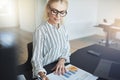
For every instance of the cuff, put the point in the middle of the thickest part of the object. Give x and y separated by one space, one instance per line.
42 70
67 59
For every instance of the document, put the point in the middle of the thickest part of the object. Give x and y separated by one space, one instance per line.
73 73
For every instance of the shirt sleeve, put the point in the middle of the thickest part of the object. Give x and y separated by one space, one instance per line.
37 57
66 52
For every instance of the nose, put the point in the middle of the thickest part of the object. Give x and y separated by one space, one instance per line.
58 15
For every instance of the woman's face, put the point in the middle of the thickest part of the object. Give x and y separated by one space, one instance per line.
56 12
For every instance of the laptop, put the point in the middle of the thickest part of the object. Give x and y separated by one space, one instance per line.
109 70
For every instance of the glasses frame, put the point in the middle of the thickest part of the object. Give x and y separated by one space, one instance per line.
56 12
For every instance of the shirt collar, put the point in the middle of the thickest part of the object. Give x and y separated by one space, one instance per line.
54 26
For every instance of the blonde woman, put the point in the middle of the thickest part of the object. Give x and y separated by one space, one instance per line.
50 40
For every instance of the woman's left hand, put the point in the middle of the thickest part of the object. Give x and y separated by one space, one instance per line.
60 67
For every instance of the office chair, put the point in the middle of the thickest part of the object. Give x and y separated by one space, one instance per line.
8 63
26 68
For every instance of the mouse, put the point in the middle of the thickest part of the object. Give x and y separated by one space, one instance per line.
93 53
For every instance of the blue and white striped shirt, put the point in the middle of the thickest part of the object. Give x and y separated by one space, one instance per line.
49 44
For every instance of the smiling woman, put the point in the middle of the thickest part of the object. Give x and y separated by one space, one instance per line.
50 40
51 8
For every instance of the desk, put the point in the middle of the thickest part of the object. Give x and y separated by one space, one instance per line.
91 63
98 65
109 29
115 28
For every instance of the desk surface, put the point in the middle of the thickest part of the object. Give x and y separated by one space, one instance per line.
115 28
102 66
107 62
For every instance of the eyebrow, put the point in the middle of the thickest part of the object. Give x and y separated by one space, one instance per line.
57 9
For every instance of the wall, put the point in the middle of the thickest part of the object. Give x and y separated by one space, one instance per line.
19 13
8 13
109 10
27 14
81 18
39 10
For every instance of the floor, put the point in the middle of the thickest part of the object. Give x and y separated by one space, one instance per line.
22 38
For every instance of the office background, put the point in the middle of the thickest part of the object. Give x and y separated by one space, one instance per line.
82 16
19 18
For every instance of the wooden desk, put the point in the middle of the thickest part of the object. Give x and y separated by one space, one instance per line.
115 28
109 29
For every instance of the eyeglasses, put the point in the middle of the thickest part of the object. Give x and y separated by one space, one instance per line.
55 12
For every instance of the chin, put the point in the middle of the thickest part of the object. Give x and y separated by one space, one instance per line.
57 22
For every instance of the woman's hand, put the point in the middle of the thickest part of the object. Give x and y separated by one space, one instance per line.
43 76
60 67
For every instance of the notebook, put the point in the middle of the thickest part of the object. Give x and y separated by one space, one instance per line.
73 73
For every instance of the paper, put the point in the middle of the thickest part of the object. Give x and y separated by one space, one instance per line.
73 73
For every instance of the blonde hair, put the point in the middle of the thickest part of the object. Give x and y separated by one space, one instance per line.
45 16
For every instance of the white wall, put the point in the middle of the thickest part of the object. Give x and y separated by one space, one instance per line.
8 13
39 10
109 10
83 15
27 14
81 18
19 13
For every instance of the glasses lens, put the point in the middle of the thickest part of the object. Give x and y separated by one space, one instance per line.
63 13
56 12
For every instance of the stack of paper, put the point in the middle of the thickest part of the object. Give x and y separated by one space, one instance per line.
73 73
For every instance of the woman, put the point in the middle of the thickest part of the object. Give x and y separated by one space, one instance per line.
50 41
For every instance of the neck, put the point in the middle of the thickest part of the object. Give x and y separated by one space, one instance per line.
56 25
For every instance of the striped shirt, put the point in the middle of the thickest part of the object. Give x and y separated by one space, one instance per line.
49 44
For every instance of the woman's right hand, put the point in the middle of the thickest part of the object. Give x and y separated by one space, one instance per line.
43 76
